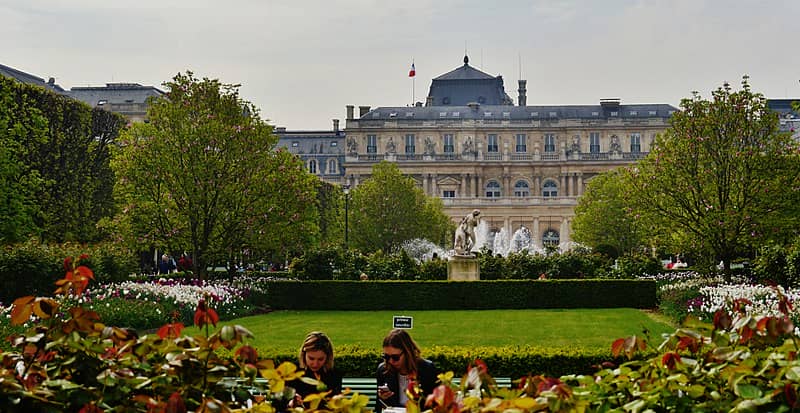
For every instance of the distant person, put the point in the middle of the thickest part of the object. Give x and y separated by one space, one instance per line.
185 263
402 364
165 266
316 358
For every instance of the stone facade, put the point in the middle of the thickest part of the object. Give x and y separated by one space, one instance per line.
520 165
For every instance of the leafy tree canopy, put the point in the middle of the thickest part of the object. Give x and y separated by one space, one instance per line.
203 176
722 177
389 208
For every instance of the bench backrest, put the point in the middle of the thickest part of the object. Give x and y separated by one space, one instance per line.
368 386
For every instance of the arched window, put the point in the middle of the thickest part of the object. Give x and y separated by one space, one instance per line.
521 189
312 166
549 189
493 189
331 166
550 238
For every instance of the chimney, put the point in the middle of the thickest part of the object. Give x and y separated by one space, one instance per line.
51 81
362 110
523 99
336 125
429 101
280 129
610 103
418 105
349 112
474 106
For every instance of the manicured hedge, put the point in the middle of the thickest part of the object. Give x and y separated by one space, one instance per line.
449 295
511 362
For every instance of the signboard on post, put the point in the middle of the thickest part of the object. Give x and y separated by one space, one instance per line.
401 321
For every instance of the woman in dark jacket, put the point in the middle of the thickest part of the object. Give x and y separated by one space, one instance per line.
316 358
402 366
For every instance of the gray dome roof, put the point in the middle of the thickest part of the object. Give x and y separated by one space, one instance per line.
465 85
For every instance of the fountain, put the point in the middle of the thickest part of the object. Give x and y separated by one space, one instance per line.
423 250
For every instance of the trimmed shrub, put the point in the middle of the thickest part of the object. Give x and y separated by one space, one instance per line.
514 362
448 295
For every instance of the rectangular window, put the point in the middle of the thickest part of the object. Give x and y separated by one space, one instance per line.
549 142
492 143
410 143
636 142
594 142
448 194
521 143
372 144
449 147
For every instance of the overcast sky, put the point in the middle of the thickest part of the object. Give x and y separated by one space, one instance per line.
302 62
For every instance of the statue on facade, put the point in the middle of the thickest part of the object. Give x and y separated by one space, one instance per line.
469 147
430 146
465 234
576 144
390 147
615 146
352 146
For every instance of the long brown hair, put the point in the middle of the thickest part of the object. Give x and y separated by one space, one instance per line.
317 340
400 339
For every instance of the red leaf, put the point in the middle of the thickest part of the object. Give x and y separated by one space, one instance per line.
670 360
175 404
23 307
171 330
617 346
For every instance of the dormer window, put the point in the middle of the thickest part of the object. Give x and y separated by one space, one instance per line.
534 114
553 114
393 115
101 102
409 114
613 114
442 114
506 115
633 113
487 114
595 113
456 114
652 113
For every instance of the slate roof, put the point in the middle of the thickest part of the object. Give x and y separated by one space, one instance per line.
466 84
783 106
30 79
114 93
502 112
312 142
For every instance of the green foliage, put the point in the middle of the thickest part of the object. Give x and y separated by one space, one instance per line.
135 314
446 295
388 209
203 175
603 217
636 265
504 361
716 181
778 264
70 361
27 268
55 175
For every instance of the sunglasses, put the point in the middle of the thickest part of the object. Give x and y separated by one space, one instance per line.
393 357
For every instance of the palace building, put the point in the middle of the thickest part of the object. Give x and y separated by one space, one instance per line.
520 165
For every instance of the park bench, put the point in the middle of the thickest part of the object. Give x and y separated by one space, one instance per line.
368 386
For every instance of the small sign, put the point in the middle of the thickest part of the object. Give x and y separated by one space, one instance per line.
401 321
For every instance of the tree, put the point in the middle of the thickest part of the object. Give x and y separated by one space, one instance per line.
203 175
60 148
604 219
388 209
19 183
721 177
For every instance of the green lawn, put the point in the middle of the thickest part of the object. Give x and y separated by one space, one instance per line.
547 328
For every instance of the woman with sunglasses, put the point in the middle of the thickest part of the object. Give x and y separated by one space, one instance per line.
316 358
401 368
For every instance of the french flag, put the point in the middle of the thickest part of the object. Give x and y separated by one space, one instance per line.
412 72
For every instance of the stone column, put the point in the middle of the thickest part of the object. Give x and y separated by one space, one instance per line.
537 185
434 185
536 233
462 189
563 184
480 185
425 187
580 183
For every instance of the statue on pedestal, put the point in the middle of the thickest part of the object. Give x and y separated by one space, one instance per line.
465 234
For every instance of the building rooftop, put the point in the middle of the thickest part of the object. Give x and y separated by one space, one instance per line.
30 79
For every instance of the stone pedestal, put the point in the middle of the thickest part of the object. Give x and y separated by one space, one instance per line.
463 268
